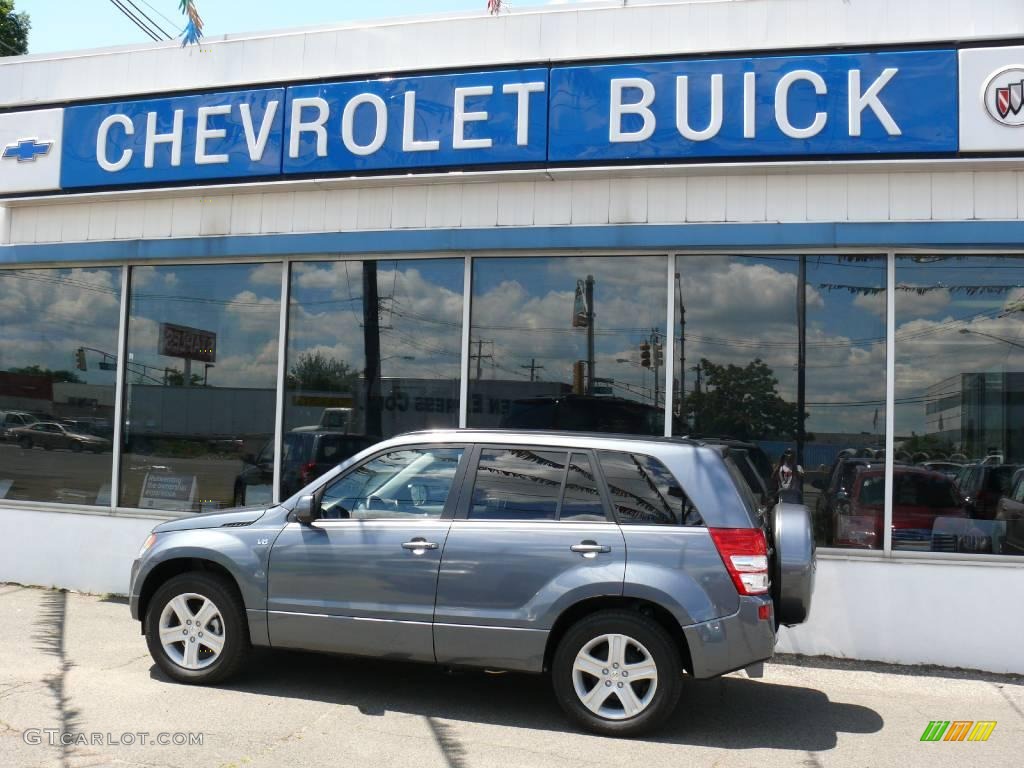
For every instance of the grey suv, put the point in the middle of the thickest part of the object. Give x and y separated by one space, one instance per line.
613 563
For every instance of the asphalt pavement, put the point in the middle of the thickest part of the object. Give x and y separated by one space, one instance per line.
76 665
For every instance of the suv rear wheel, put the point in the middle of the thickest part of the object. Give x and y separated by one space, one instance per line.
617 673
196 630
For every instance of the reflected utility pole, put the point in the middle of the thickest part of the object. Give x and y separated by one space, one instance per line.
801 362
371 345
589 294
533 368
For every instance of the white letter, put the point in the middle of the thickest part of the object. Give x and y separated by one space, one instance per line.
316 125
203 132
522 92
749 115
348 118
459 140
782 104
618 109
409 142
683 108
257 144
173 138
101 142
869 98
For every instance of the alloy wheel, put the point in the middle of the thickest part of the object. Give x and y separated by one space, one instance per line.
615 676
192 631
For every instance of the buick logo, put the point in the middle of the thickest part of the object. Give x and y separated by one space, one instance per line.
1004 96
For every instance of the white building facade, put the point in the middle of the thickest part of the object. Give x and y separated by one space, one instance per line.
236 264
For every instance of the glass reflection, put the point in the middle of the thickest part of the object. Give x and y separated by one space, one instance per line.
373 351
57 370
959 404
793 380
568 343
200 385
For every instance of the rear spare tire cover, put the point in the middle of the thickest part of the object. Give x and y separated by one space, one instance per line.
794 563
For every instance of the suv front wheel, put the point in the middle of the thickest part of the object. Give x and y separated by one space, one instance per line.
617 673
196 630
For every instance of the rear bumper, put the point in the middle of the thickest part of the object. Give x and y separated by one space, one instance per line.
732 642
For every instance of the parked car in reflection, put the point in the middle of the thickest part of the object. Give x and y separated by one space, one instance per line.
949 468
834 489
1010 511
920 497
50 435
982 486
11 420
307 455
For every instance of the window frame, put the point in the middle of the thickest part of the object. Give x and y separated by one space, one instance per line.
469 485
455 493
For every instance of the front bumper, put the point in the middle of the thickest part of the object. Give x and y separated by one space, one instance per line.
732 642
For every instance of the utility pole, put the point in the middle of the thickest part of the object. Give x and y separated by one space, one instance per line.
480 356
533 368
696 391
682 352
656 362
589 294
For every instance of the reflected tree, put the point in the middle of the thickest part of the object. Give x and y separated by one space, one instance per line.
742 402
45 373
314 371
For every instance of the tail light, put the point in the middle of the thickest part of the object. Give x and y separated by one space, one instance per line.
306 473
745 554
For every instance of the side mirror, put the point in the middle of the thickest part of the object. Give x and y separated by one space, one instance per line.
305 510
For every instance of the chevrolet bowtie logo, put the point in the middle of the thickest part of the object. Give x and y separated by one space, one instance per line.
27 150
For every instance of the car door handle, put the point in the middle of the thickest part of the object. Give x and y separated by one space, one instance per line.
419 544
590 549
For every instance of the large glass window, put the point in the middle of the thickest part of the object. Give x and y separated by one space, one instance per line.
959 442
58 360
745 340
200 386
568 343
373 351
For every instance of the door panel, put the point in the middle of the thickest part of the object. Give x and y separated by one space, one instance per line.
509 568
363 578
349 586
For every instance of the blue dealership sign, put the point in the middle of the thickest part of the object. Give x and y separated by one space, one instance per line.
183 138
846 104
771 106
417 122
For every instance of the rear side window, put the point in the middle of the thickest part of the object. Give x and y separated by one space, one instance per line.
527 484
644 492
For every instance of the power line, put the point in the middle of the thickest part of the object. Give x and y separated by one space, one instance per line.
136 21
152 23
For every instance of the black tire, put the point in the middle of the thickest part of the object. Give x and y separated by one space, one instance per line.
663 651
239 496
26 443
236 630
76 447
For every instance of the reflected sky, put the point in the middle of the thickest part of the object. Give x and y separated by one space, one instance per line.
954 315
238 302
742 308
47 314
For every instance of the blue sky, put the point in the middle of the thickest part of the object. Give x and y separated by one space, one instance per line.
62 25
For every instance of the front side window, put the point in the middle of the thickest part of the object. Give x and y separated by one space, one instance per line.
409 483
644 492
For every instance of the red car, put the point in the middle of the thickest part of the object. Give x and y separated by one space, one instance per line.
920 497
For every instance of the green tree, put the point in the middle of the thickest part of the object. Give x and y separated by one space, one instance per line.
314 371
14 29
55 376
742 402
